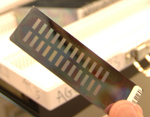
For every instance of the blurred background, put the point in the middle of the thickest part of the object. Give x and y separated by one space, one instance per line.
116 30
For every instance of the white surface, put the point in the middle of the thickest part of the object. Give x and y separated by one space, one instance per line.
9 4
45 78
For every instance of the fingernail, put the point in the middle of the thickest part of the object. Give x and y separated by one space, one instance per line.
126 111
108 108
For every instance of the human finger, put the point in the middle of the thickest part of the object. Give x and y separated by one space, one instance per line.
125 108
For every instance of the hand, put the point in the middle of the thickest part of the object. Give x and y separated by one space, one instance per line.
124 108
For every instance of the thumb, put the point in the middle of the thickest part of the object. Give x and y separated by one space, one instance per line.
125 109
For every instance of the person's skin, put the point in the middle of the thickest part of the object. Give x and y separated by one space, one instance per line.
124 108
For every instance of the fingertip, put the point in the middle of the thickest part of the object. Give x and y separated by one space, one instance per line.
139 108
125 108
108 108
